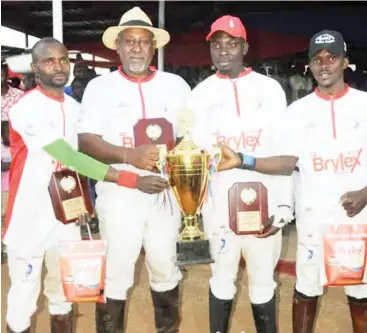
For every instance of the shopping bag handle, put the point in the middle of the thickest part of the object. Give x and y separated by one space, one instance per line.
89 232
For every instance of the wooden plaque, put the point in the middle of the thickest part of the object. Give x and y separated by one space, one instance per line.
158 131
248 207
70 195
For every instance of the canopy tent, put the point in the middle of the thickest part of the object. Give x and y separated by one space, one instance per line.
7 51
275 28
191 49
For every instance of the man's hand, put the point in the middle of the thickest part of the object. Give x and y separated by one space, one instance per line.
151 184
282 216
83 219
353 202
268 229
229 158
144 157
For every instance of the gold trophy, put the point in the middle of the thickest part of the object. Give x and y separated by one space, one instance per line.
187 168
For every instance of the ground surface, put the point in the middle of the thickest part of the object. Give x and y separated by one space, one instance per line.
333 312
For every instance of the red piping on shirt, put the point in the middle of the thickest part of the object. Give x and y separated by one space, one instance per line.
332 98
63 121
236 98
329 97
58 165
142 101
333 124
139 82
245 72
44 92
136 80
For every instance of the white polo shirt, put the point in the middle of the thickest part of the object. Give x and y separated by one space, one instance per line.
113 103
329 137
36 120
243 114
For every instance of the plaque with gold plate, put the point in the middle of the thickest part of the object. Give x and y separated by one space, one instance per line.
158 131
248 207
70 195
187 168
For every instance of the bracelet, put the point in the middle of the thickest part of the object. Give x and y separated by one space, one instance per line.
247 162
125 157
127 179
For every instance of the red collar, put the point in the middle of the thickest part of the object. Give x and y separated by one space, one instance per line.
148 78
329 97
44 92
246 71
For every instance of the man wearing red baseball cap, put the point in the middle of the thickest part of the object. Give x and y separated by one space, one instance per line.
240 108
229 24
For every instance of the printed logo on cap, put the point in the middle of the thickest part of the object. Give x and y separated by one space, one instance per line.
231 24
325 39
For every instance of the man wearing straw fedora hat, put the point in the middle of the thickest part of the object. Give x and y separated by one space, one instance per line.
112 105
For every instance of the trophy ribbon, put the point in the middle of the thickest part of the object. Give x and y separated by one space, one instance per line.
210 179
162 167
213 168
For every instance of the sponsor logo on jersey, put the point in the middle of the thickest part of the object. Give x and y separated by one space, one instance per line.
245 141
342 163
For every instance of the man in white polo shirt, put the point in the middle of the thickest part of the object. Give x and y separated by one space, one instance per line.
112 105
239 107
325 134
43 142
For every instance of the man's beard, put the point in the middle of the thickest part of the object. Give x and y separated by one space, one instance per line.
48 80
137 67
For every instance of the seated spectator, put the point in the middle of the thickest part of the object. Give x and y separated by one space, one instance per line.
9 95
80 72
300 84
91 74
77 88
15 82
29 81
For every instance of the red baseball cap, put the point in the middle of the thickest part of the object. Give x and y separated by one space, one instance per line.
232 25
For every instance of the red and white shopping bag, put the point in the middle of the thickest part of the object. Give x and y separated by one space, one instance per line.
345 253
83 267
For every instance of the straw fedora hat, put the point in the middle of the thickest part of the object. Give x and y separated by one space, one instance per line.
134 18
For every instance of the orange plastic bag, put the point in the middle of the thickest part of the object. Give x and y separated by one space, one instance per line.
345 252
83 267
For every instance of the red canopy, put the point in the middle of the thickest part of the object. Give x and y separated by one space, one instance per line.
191 49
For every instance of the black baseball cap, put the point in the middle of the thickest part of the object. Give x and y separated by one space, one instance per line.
330 40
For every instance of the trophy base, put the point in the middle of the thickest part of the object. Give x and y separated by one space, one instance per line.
193 252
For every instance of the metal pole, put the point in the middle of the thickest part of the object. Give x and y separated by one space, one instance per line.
26 41
161 19
57 20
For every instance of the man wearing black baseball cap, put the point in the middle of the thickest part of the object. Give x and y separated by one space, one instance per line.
328 60
330 40
325 135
